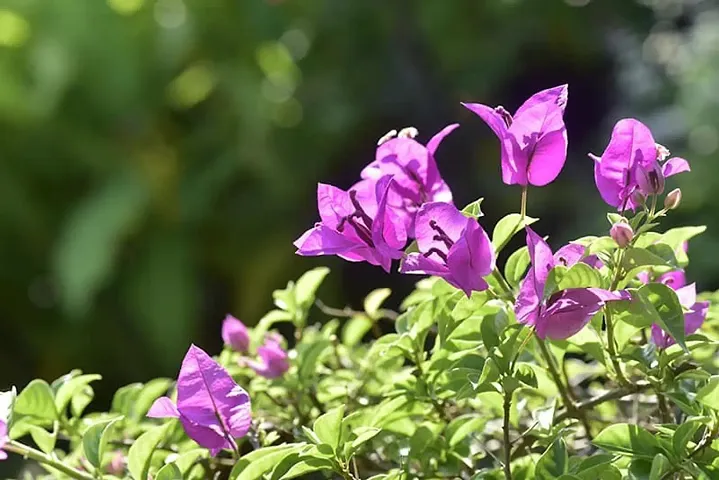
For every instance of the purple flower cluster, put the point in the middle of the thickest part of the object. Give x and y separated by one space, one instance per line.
402 196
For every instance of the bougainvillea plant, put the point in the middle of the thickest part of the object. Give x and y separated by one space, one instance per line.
592 360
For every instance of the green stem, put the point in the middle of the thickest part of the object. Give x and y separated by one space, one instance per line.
611 345
503 283
437 405
523 208
563 389
507 443
40 457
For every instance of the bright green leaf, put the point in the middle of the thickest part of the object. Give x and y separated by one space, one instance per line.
258 462
517 264
94 441
626 439
660 466
169 472
507 227
462 427
554 461
328 426
662 304
72 387
36 400
356 328
474 209
140 453
373 302
709 393
43 439
307 286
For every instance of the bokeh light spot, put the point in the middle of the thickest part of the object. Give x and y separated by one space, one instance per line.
191 87
14 29
126 7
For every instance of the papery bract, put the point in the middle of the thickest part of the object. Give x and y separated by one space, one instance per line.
414 169
533 141
565 312
273 360
451 246
356 225
3 439
235 334
212 408
630 165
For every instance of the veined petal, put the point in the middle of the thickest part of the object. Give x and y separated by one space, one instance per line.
675 165
418 263
542 260
163 407
323 240
209 397
388 232
674 279
687 295
514 161
569 254
470 259
333 204
694 319
528 302
550 100
207 437
631 144
548 157
567 313
434 142
444 216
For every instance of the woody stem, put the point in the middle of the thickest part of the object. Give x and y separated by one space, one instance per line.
45 459
563 389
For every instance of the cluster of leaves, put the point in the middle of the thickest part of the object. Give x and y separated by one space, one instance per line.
458 390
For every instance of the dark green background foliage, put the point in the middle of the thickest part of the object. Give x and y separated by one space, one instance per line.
158 157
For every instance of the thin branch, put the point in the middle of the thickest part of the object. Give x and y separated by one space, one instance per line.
605 397
507 443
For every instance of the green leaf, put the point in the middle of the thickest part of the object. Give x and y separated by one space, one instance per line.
43 439
517 264
140 453
474 209
147 395
364 435
637 257
169 472
675 237
95 439
307 286
709 393
662 304
72 387
81 400
554 461
507 227
626 439
356 328
91 239
660 466
258 462
298 464
328 426
124 398
36 400
308 359
682 435
187 459
580 275
463 426
373 302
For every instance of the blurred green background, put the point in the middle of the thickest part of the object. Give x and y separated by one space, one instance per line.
158 157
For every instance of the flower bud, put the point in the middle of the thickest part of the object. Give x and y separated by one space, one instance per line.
662 152
408 132
673 199
117 464
235 334
650 180
622 233
638 198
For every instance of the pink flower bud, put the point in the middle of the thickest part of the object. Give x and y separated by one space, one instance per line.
650 180
235 334
117 464
622 233
673 199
